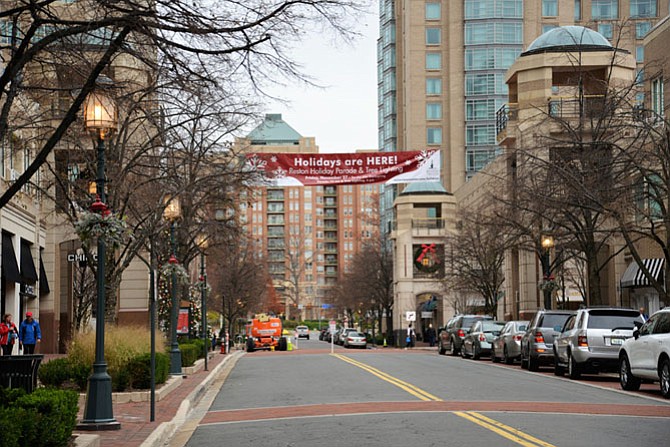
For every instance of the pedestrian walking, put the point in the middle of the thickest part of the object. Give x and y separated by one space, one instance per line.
430 334
411 337
8 334
30 334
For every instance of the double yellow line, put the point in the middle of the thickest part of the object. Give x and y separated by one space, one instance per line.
503 430
499 428
411 389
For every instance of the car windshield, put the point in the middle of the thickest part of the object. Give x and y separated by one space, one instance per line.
614 320
553 320
467 321
355 334
490 326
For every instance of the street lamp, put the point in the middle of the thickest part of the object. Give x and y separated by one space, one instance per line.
171 213
203 243
547 242
100 119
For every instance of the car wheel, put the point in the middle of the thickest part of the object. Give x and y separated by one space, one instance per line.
452 348
476 353
440 348
574 370
506 358
494 359
250 345
308 337
627 380
664 378
533 364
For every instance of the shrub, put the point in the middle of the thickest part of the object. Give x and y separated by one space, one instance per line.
189 354
139 370
122 344
55 373
45 417
9 427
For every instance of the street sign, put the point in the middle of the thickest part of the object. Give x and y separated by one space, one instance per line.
410 315
332 325
426 315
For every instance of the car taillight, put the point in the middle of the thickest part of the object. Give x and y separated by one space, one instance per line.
461 333
482 337
539 338
582 341
517 338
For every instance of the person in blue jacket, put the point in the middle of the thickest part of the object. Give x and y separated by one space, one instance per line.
29 334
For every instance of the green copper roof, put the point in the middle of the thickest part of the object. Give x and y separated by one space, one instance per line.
273 130
424 188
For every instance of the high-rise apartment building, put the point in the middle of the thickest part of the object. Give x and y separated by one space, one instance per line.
309 234
442 64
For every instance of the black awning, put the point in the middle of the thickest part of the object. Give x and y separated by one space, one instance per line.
44 282
635 277
10 269
28 272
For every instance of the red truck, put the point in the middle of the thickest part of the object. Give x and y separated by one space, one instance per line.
265 332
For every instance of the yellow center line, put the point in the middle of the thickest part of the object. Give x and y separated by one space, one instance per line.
503 430
411 389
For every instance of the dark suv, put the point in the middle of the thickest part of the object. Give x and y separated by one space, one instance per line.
537 343
451 337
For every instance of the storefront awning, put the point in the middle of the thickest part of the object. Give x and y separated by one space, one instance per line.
28 272
634 277
44 282
10 268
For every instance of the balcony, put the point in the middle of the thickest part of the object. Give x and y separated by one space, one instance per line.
428 226
329 191
506 113
275 196
330 202
589 106
330 260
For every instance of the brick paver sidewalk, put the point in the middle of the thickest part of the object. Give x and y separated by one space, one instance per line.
134 416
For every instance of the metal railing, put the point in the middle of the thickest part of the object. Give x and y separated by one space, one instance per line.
590 106
506 113
428 223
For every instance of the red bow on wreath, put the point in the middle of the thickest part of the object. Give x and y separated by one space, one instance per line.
425 249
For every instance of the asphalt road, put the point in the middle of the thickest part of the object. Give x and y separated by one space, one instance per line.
389 397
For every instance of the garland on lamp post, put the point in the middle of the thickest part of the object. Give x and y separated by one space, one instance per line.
99 223
548 284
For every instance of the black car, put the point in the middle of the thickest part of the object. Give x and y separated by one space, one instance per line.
451 337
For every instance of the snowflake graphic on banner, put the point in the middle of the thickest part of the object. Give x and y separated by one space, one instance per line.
273 159
257 163
279 173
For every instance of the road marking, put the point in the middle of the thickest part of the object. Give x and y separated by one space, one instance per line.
503 430
411 389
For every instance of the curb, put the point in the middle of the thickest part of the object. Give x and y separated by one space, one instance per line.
162 434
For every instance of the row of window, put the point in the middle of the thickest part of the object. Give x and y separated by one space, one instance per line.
475 109
479 58
604 9
475 135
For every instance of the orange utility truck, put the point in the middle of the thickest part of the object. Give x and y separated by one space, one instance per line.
265 332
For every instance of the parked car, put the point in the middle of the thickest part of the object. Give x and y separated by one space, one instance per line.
302 332
537 341
322 334
478 341
646 356
590 340
507 345
343 335
451 337
355 339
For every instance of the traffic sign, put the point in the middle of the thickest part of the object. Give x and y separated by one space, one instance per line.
332 325
410 315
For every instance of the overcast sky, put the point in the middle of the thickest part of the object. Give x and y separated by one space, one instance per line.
343 116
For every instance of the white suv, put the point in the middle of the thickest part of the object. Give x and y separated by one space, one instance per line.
302 332
647 354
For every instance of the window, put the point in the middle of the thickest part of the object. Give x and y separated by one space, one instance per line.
485 84
480 135
643 8
578 9
433 36
433 11
657 96
434 135
480 109
433 61
639 53
549 8
6 29
433 111
490 32
641 29
605 29
548 27
433 86
478 9
604 9
490 58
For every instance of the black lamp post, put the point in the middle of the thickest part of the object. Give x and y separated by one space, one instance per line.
100 117
172 212
203 243
547 243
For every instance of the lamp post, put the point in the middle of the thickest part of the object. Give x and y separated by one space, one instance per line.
100 119
171 213
203 243
547 242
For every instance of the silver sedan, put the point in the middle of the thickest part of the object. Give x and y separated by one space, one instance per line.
507 345
355 340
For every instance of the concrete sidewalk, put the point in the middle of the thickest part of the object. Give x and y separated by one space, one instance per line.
136 429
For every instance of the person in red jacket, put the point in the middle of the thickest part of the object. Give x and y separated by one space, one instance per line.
8 334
